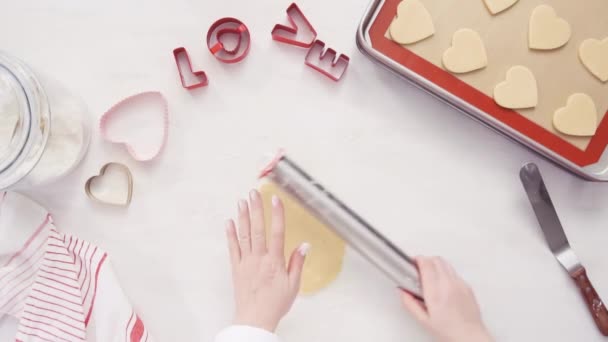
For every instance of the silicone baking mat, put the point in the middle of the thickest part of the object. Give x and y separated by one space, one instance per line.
559 73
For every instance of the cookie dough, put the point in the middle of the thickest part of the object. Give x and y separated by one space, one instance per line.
594 55
467 53
518 91
497 6
578 118
547 30
324 261
412 24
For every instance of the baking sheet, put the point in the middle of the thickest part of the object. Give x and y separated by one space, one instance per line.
559 73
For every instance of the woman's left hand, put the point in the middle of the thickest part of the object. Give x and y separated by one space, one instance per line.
264 287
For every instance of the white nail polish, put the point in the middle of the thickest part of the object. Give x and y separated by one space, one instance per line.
275 200
242 205
253 195
304 248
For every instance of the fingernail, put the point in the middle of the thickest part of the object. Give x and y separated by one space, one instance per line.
242 205
253 195
228 225
275 200
304 248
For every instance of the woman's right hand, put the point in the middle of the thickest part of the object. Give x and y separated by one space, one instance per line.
450 311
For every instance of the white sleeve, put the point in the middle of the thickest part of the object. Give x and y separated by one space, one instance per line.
242 333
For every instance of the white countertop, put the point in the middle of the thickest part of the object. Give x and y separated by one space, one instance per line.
431 179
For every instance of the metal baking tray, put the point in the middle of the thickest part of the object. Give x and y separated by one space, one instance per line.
586 158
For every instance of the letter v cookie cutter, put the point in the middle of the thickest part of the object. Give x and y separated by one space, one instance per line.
317 56
287 34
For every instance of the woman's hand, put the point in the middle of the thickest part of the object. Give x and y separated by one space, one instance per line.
450 311
264 287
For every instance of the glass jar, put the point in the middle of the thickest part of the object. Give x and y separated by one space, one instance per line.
44 130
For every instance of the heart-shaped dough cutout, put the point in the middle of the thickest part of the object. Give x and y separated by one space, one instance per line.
412 24
497 6
594 55
113 185
140 123
468 52
519 90
578 118
547 30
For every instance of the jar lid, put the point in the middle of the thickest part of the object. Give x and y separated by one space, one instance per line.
24 121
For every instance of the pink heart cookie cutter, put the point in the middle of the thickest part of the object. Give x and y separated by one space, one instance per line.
115 111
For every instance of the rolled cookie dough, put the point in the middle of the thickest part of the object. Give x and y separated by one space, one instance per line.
324 261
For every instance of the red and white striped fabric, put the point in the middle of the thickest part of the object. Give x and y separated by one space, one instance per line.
56 286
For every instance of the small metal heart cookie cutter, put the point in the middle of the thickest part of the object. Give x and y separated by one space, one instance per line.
125 170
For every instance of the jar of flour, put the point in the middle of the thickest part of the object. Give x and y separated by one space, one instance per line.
44 130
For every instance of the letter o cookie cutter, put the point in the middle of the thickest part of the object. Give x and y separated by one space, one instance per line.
226 27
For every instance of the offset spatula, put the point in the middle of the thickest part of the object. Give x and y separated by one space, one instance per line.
558 243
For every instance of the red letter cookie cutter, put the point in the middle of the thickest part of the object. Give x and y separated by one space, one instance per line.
200 76
325 61
222 28
287 34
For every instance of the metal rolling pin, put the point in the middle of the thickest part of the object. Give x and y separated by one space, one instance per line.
359 234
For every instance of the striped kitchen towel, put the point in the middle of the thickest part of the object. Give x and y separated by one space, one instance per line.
58 287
